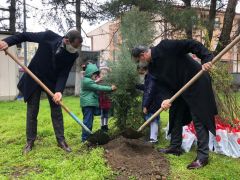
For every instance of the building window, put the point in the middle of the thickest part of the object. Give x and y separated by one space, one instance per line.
236 66
217 22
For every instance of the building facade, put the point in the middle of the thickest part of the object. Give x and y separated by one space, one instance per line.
9 75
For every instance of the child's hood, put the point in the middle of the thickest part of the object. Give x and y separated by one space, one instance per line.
90 70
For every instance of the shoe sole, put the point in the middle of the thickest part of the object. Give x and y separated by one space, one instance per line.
192 168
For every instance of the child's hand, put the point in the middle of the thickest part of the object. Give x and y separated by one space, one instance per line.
114 87
145 110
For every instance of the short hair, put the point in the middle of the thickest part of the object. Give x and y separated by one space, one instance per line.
137 50
72 35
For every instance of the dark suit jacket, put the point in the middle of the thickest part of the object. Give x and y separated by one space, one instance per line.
51 63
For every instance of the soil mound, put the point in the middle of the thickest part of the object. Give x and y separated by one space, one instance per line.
135 158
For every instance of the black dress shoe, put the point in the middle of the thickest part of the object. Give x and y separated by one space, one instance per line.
197 163
170 150
28 147
64 146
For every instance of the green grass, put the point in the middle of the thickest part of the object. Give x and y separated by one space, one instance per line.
47 161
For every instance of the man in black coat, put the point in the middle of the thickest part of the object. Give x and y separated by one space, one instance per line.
171 64
51 64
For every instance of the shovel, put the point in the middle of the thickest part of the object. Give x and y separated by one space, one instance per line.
195 78
48 91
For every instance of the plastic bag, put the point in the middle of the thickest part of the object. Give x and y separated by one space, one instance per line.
211 141
221 142
187 139
167 136
234 144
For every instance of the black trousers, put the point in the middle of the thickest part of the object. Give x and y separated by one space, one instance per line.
201 130
32 113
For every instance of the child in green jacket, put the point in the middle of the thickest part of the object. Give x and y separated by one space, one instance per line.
89 96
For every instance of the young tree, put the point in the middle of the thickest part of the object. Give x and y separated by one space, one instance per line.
134 34
127 103
125 99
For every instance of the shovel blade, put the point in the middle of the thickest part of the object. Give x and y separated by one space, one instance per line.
99 138
131 134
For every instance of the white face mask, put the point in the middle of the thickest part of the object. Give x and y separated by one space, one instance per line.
71 49
143 63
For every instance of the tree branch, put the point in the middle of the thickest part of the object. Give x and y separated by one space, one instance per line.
2 19
4 9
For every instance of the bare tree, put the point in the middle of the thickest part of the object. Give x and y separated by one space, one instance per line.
79 59
11 18
211 20
224 38
188 29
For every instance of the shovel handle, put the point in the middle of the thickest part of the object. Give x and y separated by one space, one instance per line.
46 89
195 78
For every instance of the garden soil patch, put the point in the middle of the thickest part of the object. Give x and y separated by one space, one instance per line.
135 158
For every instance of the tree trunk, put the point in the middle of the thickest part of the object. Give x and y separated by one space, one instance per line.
212 15
188 30
79 59
12 19
227 26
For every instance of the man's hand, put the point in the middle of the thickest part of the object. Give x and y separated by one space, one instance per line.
145 110
3 45
114 87
166 104
207 66
57 97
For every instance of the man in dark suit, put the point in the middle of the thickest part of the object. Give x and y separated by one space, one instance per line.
170 63
51 64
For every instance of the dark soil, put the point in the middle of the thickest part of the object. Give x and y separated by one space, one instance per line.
135 158
99 138
131 133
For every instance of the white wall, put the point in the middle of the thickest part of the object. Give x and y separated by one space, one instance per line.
8 75
100 37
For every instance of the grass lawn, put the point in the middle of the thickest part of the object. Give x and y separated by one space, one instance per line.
47 161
